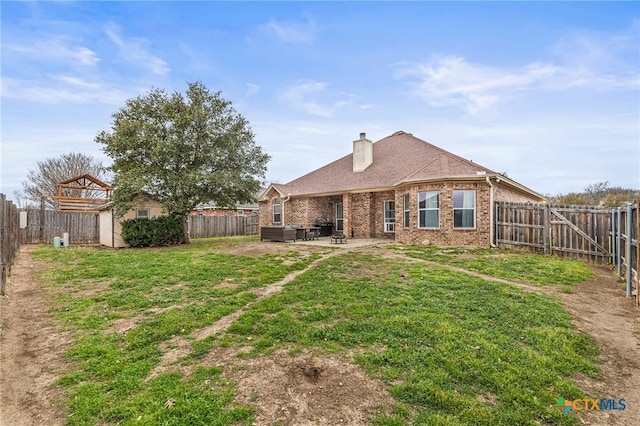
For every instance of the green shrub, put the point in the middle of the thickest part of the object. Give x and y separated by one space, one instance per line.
160 231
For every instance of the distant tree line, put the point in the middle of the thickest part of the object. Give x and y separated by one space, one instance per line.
598 194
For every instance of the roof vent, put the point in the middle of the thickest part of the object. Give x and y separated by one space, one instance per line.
363 136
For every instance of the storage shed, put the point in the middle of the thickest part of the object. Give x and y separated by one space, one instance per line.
143 206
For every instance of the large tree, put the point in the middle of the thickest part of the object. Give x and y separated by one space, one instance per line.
182 150
43 180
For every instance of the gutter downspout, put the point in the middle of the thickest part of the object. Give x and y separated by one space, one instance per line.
491 215
283 202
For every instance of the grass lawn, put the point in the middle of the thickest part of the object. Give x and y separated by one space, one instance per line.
451 348
510 265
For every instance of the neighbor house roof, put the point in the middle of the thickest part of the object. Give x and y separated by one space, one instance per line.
247 206
397 159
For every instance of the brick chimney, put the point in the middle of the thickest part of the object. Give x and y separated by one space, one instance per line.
362 153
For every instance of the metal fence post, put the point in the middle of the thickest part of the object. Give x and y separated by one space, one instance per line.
619 241
3 248
612 236
628 255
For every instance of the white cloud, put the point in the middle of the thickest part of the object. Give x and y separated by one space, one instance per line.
594 62
252 89
452 81
601 52
313 98
77 82
112 33
135 51
53 48
60 89
290 32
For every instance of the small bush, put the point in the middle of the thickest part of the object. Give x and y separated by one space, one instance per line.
160 231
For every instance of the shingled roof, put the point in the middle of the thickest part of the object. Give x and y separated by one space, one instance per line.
398 158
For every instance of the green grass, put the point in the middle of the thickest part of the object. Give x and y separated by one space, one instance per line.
451 348
438 338
510 265
172 291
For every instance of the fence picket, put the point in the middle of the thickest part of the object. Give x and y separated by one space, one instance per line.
9 238
587 232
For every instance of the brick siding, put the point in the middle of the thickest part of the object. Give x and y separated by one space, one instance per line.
364 213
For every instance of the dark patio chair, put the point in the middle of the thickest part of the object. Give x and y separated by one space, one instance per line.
338 238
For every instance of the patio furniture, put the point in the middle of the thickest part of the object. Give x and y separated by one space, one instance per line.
307 232
338 238
277 233
326 228
312 233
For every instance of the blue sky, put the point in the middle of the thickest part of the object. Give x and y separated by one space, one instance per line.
548 92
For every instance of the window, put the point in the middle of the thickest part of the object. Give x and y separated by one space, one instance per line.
142 214
464 209
389 216
277 211
239 213
429 209
339 217
405 211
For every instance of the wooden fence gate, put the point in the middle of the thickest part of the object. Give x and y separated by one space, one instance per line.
575 231
592 233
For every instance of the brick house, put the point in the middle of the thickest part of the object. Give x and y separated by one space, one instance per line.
400 188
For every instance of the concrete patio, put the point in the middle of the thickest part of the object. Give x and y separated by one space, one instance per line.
351 242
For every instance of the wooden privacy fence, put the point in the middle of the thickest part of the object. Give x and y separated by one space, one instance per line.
222 226
44 225
593 233
9 238
626 246
575 231
84 228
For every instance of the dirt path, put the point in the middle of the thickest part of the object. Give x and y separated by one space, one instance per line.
181 346
32 347
31 351
602 311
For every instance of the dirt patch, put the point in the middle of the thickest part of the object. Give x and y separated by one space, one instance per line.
31 350
601 310
258 248
122 325
307 389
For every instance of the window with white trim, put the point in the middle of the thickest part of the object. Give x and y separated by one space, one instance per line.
464 209
389 216
240 213
405 211
277 211
429 209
